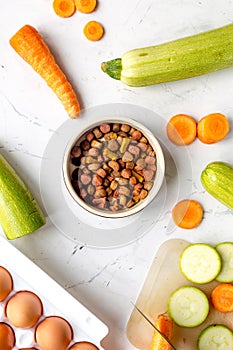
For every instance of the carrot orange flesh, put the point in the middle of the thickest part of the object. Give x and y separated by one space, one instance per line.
165 325
85 6
64 8
29 44
93 31
181 129
222 297
187 214
212 128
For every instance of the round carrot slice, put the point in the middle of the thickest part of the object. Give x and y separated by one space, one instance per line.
93 31
187 214
181 129
64 8
85 6
212 128
222 297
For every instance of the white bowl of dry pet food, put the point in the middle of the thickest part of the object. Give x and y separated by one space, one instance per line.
114 168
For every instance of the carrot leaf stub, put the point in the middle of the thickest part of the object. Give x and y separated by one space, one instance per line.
30 45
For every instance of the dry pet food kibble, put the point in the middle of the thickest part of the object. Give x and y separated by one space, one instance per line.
114 167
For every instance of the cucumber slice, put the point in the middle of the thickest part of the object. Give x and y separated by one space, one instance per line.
200 263
225 249
216 337
188 306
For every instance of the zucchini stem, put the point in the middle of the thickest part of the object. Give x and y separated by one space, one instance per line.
113 68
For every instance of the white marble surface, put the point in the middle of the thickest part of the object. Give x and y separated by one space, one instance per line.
107 280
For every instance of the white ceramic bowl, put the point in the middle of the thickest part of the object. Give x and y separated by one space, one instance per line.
159 175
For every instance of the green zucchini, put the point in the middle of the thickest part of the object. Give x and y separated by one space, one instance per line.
217 179
179 59
19 212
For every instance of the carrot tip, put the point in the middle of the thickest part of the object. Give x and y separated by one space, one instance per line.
75 116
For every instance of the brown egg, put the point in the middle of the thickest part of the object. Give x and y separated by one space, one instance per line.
53 333
83 345
28 349
7 337
24 309
6 283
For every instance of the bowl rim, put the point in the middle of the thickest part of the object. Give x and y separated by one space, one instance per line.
159 176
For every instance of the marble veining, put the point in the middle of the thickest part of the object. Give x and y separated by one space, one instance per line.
106 280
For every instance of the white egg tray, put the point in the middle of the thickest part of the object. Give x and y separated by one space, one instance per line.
56 301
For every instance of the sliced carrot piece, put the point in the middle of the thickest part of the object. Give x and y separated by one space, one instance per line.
212 128
165 325
93 31
85 6
64 8
187 214
181 129
222 297
29 44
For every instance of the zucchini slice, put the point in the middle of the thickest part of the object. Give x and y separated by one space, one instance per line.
225 249
216 337
200 263
188 306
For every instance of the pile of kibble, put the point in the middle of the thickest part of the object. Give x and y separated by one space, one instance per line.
115 166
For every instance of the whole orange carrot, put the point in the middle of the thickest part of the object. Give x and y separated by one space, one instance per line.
29 44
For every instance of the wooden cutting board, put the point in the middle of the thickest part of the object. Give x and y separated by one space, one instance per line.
163 278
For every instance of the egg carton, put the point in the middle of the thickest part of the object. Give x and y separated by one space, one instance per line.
56 301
